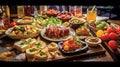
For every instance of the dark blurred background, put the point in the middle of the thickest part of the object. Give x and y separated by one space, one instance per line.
113 12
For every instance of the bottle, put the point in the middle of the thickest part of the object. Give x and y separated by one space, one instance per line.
20 11
6 17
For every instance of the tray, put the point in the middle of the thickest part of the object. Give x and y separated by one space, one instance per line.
20 57
90 52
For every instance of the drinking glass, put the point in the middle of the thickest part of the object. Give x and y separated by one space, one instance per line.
72 10
78 11
91 14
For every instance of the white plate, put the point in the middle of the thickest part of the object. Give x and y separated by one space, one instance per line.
22 23
55 39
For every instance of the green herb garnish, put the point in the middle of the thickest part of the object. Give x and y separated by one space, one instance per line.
22 43
32 50
30 40
38 45
42 53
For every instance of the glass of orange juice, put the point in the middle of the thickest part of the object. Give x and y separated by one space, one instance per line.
91 14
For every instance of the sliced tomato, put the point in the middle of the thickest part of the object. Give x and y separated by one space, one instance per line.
70 41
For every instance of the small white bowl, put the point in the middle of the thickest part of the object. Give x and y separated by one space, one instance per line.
93 41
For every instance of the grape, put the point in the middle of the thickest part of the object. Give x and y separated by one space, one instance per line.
104 23
97 22
100 26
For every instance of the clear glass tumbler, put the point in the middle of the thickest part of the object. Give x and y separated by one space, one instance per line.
91 14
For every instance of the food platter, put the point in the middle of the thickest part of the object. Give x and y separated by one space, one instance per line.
55 39
21 36
85 46
84 52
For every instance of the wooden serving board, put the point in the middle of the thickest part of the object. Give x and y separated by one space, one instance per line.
89 52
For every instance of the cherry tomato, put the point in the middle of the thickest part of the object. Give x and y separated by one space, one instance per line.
110 29
118 29
113 36
66 47
113 44
70 41
105 37
12 24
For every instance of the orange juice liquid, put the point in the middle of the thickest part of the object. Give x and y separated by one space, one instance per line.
91 15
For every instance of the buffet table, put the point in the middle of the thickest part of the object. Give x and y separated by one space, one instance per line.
100 54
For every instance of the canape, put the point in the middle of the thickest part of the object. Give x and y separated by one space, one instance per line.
30 53
39 45
21 46
52 46
30 41
41 56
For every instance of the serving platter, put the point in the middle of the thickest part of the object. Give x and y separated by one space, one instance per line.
20 57
56 39
83 48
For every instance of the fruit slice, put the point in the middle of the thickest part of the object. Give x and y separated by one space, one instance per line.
99 33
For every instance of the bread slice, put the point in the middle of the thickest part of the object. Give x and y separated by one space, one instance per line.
21 46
